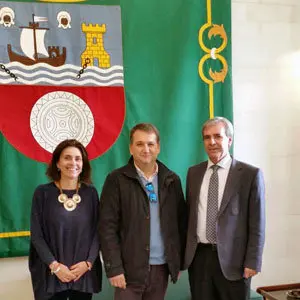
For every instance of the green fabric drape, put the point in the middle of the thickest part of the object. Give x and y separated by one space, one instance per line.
162 85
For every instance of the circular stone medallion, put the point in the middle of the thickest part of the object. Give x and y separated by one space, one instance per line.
58 116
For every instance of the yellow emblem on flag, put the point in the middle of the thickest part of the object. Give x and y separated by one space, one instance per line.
213 53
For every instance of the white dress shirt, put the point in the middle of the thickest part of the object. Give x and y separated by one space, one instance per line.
223 171
142 174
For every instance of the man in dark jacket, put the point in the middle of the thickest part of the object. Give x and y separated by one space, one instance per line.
142 221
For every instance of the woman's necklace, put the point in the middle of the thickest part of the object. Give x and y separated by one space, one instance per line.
69 203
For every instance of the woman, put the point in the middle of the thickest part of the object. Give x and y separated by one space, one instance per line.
64 252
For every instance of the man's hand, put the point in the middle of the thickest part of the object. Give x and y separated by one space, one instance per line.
118 281
79 269
249 273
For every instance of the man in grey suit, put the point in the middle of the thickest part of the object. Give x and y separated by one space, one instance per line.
226 229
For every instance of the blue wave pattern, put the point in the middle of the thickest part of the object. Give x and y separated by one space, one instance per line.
44 74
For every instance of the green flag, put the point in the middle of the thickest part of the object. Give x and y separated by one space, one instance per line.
176 57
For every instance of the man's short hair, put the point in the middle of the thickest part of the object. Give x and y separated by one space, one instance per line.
216 120
146 127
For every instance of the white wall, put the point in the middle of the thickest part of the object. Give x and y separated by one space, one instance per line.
266 85
15 279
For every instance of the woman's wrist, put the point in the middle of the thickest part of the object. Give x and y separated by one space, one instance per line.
89 265
54 267
54 264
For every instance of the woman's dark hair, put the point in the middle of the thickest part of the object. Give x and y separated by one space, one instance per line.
52 171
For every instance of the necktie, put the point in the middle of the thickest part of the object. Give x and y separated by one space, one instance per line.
212 206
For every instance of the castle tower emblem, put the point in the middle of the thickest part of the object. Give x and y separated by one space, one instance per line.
94 50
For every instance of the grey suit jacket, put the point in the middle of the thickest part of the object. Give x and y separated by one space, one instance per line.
241 219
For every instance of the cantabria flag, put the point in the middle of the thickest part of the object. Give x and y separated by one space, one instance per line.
91 70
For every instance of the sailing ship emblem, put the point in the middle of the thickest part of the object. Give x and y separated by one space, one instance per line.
33 46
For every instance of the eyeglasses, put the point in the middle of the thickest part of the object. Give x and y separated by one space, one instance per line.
150 189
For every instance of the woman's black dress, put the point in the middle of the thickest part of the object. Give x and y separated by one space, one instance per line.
66 236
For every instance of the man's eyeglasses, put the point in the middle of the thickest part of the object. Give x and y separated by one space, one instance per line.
150 189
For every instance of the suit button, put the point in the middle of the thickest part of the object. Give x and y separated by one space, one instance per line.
148 218
147 248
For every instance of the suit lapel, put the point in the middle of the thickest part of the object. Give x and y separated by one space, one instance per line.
195 192
231 183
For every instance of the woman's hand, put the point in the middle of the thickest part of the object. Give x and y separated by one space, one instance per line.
64 274
80 269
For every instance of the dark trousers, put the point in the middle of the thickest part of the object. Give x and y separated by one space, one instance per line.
154 288
207 281
72 295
